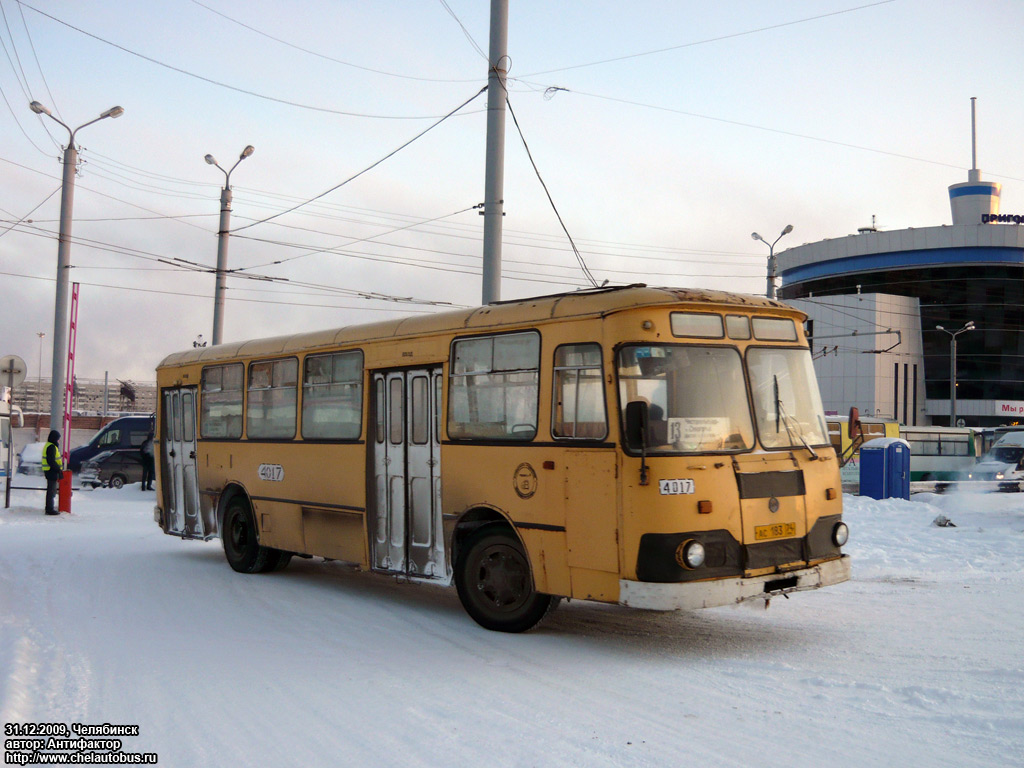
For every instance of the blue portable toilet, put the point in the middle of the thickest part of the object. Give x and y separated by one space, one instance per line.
885 468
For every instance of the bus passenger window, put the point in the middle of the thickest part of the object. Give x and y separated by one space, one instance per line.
577 397
493 389
332 396
273 386
220 402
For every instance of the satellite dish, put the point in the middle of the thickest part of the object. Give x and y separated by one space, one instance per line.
12 371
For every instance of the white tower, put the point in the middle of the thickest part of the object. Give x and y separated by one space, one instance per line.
972 200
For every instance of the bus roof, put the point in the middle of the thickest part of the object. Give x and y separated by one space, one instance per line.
597 302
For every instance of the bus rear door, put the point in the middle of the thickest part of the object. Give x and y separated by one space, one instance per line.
178 456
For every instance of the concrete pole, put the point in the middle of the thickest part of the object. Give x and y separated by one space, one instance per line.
60 315
772 266
222 263
494 176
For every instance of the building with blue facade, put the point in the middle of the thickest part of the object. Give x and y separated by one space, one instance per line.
875 299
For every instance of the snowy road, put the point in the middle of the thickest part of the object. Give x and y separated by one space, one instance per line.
916 662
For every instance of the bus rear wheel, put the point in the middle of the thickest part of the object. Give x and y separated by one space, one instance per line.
492 576
241 545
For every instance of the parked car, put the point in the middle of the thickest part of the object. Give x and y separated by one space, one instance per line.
112 468
127 433
30 459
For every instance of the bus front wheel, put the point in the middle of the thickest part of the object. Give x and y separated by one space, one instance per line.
492 576
241 546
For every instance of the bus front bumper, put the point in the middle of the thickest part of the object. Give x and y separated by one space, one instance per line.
692 595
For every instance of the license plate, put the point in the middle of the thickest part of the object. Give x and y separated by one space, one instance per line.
777 531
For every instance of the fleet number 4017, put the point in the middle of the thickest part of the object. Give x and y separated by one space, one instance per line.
675 487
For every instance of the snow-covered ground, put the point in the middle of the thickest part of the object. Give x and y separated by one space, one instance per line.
918 661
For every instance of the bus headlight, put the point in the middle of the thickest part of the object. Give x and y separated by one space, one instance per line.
690 554
840 534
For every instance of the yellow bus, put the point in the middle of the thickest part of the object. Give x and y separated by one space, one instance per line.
847 447
653 447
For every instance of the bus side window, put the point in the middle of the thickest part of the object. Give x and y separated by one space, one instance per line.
577 399
220 403
494 386
332 396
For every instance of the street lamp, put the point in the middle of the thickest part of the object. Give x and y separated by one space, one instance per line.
968 326
222 243
771 258
60 318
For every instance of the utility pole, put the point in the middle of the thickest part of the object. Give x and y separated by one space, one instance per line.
67 197
222 243
494 175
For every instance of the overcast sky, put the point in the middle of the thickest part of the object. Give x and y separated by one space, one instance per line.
677 129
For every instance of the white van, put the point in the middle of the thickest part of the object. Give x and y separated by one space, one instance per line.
1004 461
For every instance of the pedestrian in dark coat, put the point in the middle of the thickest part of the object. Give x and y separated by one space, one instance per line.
53 469
148 463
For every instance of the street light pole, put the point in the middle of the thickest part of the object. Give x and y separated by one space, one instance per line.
60 315
968 326
222 243
770 293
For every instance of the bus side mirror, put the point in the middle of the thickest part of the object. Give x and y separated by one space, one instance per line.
637 424
853 423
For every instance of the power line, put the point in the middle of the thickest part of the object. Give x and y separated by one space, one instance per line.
220 84
229 298
331 58
368 168
32 45
18 122
575 250
353 242
30 212
710 39
779 131
465 31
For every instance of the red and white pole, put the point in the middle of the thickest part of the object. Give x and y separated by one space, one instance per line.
64 493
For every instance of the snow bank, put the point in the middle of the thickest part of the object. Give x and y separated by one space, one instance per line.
915 662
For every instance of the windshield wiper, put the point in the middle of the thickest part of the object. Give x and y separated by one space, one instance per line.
785 418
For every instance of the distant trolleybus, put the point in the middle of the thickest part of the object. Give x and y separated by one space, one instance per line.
653 447
940 453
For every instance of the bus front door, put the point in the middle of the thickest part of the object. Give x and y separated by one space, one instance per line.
178 464
407 528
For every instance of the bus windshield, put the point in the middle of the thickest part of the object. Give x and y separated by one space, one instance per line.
787 403
696 396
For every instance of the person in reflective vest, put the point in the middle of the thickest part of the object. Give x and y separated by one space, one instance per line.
53 469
